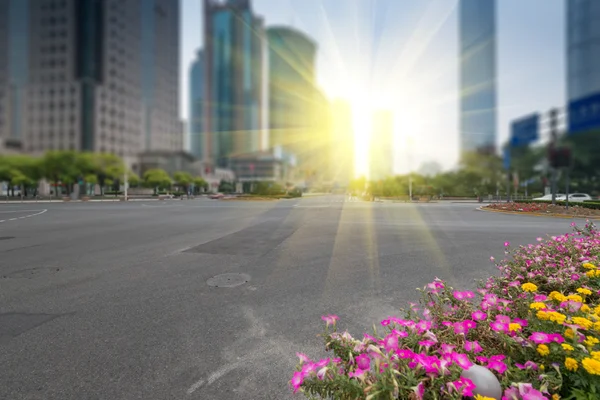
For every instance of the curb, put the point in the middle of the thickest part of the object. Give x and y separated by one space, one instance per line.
538 214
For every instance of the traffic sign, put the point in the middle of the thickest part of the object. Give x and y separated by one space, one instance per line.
525 130
584 114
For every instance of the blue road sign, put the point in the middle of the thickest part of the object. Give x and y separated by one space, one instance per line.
525 130
584 114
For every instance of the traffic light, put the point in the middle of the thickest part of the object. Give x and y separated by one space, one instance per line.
560 157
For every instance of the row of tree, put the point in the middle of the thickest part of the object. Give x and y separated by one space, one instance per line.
64 169
482 175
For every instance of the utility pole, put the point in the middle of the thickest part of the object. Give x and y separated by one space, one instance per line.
125 184
552 146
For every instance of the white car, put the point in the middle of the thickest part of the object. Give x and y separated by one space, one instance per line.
577 197
548 197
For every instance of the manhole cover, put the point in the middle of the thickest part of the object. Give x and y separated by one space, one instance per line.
6 237
228 280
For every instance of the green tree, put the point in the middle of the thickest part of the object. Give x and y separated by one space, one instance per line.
225 187
60 166
107 166
157 179
200 184
183 180
133 179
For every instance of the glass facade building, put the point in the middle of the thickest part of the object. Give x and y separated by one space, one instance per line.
583 48
196 104
291 89
477 47
234 41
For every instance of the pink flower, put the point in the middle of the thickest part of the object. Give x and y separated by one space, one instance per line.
321 373
308 369
330 319
503 318
540 297
390 342
462 360
297 380
527 392
556 338
539 338
356 374
520 321
478 315
506 244
481 359
322 363
459 295
464 386
429 363
447 348
363 361
460 328
473 346
419 391
385 322
303 357
497 365
405 353
499 326
426 343
528 364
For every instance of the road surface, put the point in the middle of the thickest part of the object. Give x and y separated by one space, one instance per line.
111 301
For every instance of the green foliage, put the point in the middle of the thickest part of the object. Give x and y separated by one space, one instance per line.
200 183
182 179
226 187
157 179
133 179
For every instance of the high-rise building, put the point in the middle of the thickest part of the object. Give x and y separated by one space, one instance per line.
196 108
381 147
234 67
477 57
93 75
583 48
291 90
160 75
342 139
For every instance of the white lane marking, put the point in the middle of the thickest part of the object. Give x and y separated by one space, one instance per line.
214 376
25 216
16 211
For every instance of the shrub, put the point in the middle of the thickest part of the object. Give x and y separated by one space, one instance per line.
536 327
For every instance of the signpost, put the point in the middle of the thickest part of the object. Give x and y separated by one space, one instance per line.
584 114
525 130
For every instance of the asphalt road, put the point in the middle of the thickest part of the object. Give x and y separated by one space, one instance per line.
111 301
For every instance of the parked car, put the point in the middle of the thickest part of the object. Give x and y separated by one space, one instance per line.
216 196
578 197
548 197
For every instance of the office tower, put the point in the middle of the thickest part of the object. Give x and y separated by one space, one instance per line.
14 62
233 46
381 148
98 75
291 90
196 105
583 48
477 58
160 75
342 139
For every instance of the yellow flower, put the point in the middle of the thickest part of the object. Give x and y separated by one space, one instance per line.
555 396
529 287
591 341
537 306
543 349
584 291
585 308
591 366
589 266
575 297
597 310
557 296
571 364
542 367
567 347
543 315
583 322
595 355
569 333
590 274
513 327
480 397
597 326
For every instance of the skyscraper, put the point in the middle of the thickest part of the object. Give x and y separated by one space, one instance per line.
291 89
196 105
381 148
477 47
233 46
583 48
91 68
160 75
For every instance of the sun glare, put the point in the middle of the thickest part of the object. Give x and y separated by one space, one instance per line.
362 122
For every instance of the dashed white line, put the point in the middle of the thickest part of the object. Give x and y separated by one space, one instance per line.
24 216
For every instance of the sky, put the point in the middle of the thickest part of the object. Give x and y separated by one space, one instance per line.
402 56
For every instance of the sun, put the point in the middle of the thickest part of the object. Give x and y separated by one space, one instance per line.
362 122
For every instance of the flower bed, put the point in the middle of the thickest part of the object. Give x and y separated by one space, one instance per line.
531 333
575 209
